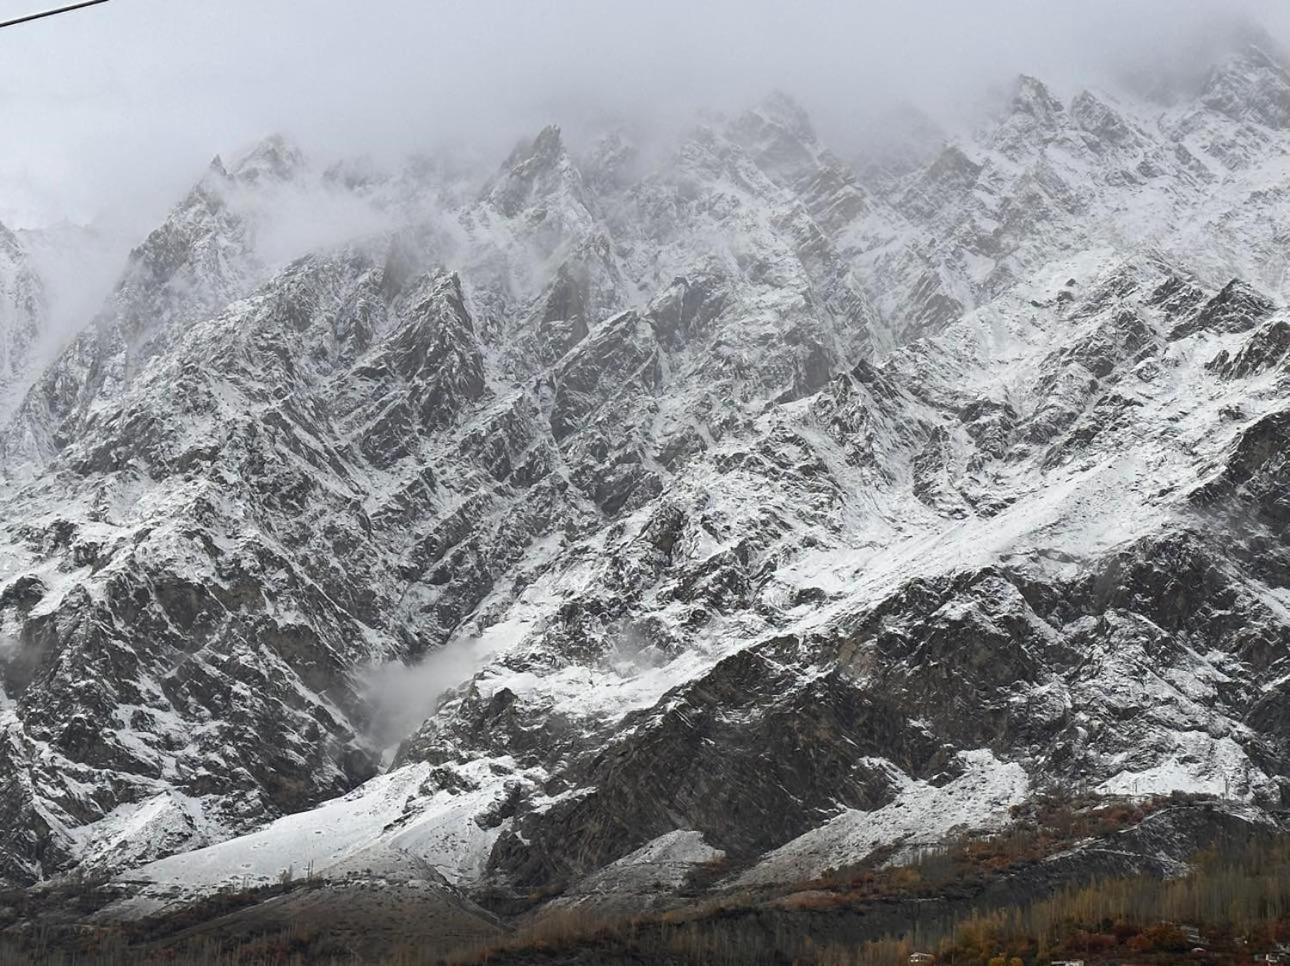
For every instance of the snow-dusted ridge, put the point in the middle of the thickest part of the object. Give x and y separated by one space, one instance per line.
731 508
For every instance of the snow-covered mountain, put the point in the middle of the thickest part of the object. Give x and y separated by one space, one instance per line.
616 513
23 315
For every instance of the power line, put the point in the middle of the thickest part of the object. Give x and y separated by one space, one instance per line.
49 13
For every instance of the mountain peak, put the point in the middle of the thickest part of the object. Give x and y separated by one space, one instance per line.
543 150
1097 118
549 141
1031 96
1254 85
273 159
1250 36
534 167
777 134
783 109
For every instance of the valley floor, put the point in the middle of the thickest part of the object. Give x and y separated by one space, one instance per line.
1057 885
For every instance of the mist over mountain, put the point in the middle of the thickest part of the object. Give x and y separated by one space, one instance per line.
587 464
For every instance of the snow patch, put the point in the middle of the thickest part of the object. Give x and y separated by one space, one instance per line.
1202 765
921 815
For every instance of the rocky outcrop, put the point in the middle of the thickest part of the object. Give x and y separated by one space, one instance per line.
22 315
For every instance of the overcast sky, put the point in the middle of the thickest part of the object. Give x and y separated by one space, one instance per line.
115 109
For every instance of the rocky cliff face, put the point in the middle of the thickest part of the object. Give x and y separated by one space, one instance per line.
23 313
732 506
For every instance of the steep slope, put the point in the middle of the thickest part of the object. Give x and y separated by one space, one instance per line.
605 520
215 550
1199 177
1097 624
22 316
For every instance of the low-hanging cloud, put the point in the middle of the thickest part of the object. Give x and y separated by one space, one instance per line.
112 113
112 110
401 695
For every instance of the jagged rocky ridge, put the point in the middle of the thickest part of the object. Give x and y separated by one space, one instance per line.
23 311
730 506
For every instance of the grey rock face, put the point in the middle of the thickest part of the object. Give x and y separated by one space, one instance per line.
23 312
1237 308
623 509
1255 87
